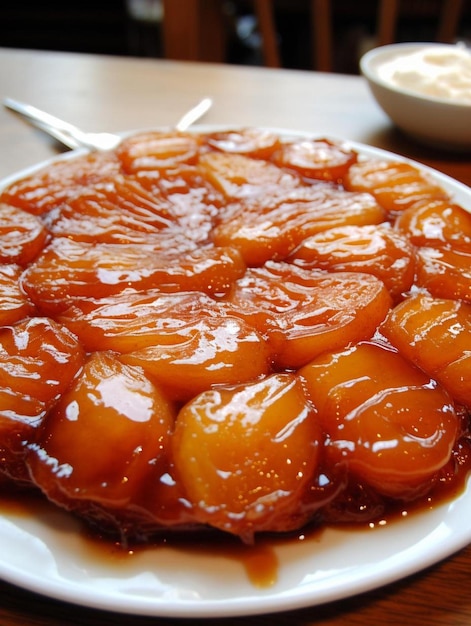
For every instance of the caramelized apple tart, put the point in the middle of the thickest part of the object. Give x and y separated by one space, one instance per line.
232 330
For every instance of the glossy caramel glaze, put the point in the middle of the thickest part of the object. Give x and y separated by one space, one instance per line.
233 330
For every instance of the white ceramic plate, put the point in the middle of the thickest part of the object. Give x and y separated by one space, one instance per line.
48 553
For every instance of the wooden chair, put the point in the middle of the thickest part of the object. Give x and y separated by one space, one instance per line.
193 30
264 11
389 13
387 22
322 24
196 29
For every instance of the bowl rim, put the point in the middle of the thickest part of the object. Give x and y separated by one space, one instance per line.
377 52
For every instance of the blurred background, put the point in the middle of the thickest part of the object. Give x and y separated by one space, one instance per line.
134 28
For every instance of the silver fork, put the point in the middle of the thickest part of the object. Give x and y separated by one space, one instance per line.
74 137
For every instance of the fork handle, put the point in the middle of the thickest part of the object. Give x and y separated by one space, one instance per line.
67 133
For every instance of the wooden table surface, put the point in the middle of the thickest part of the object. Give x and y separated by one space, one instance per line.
112 94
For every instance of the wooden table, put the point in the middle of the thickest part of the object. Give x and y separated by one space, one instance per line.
108 93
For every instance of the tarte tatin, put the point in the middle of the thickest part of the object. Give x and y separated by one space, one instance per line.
235 331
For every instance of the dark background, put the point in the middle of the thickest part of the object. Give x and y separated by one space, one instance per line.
107 27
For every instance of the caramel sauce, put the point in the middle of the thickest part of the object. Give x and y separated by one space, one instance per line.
260 560
130 255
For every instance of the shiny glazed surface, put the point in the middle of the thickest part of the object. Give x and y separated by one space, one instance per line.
183 277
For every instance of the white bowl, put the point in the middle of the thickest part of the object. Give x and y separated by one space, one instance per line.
443 120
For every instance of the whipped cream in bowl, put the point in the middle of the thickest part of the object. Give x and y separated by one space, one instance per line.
432 71
425 89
